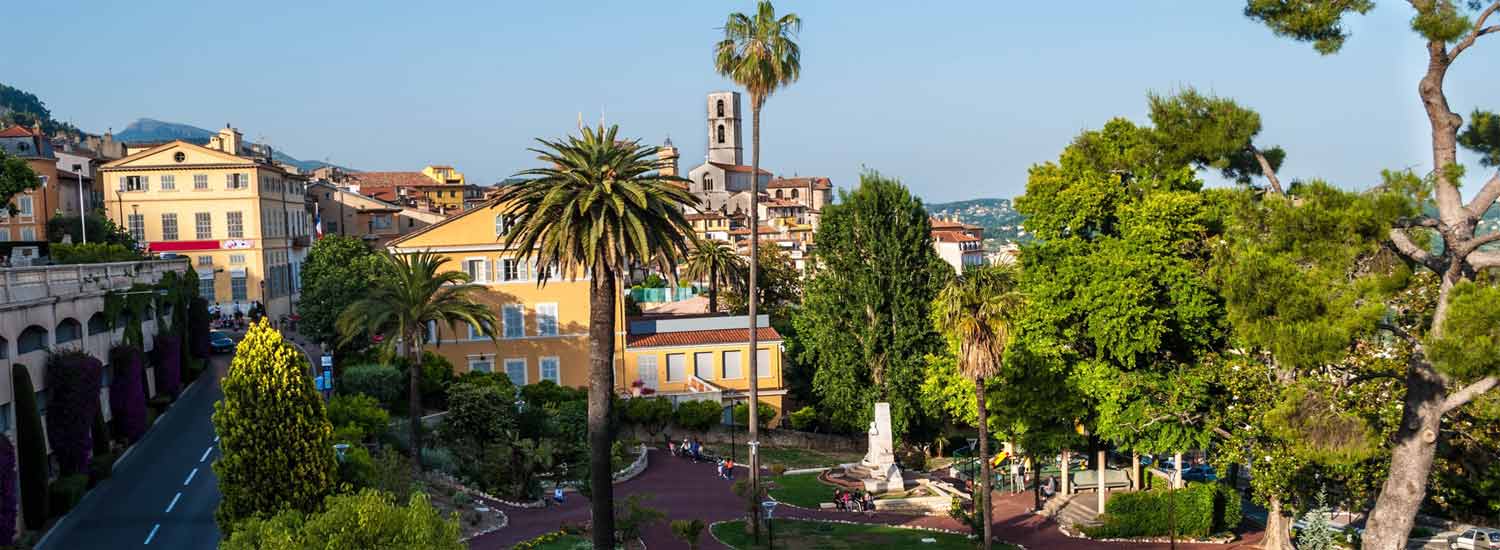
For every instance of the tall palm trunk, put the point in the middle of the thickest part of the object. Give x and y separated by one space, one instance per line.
713 288
601 390
984 461
752 295
414 370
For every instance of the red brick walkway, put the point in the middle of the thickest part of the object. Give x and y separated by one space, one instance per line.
684 490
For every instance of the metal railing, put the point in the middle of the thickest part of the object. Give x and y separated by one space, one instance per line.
22 284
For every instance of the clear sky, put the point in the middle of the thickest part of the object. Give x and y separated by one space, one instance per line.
957 99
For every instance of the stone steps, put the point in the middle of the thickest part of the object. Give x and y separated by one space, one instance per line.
1078 512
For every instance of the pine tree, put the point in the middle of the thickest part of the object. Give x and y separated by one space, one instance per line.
274 432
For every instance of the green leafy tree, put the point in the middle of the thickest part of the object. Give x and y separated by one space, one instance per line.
760 53
718 263
1434 388
412 293
1215 133
358 410
688 531
780 287
975 312
865 325
101 230
275 439
16 177
481 418
597 206
381 523
339 271
653 414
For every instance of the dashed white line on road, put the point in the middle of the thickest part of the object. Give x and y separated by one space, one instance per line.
190 476
153 533
174 503
216 439
205 453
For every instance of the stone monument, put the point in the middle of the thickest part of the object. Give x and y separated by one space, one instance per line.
878 470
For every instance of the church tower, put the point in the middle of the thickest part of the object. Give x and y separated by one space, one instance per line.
666 158
724 145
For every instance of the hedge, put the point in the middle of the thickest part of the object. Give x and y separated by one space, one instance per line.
66 492
699 415
1201 510
168 364
383 382
31 455
73 380
127 393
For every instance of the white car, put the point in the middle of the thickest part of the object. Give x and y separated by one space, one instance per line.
1476 539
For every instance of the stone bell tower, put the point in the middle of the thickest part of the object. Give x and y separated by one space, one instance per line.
724 145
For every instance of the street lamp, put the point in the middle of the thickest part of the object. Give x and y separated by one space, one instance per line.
770 506
83 226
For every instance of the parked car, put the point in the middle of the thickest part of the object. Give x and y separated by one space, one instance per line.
1475 539
219 342
1201 472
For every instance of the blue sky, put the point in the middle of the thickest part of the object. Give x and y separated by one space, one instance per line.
957 99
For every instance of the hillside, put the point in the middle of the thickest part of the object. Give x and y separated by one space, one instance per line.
24 108
152 130
1001 222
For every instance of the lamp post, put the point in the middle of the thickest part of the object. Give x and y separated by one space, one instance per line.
83 226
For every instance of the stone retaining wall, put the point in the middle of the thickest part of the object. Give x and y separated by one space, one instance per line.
792 439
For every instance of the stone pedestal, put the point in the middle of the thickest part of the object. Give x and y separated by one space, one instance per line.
877 470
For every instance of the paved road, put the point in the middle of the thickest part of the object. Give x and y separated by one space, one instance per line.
163 494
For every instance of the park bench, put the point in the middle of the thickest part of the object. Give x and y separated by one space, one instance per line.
1089 479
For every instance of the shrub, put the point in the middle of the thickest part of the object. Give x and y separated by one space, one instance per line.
805 418
688 530
440 459
198 328
547 394
437 375
359 410
1201 510
350 434
8 504
764 413
383 382
653 414
698 415
66 492
382 524
357 468
73 380
778 469
127 395
274 433
168 364
632 516
91 253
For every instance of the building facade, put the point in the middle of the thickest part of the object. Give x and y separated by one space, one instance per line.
958 243
344 212
704 357
241 220
34 207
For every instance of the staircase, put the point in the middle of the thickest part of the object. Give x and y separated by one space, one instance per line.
1072 511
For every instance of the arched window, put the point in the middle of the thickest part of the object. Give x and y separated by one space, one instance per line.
708 182
721 108
721 133
32 339
97 324
69 330
778 193
794 193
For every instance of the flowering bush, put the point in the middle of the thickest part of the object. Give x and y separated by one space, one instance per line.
127 393
168 364
73 380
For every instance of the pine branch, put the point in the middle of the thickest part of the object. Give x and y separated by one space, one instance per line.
1486 197
1267 170
1464 396
1484 260
1479 30
1411 251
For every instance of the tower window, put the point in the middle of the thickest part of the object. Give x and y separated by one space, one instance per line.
721 133
721 108
708 182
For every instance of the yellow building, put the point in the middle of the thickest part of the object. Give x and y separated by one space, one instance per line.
240 220
543 329
438 187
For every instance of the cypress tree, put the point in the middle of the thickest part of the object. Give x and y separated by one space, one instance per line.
32 450
274 432
73 386
127 393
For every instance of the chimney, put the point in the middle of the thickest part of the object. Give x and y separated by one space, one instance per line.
230 140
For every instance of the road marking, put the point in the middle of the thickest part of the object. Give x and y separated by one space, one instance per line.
205 453
190 476
153 533
216 439
174 503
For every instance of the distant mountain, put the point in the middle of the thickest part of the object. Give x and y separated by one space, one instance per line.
1001 222
147 130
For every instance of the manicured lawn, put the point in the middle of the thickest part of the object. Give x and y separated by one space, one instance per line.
837 536
801 489
791 458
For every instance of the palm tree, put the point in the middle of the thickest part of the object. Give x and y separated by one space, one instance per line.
758 52
596 206
411 293
718 263
975 311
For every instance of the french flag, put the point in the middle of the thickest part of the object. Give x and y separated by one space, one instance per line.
317 221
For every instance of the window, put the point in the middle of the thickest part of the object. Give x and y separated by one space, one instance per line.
703 365
676 367
28 233
721 133
763 362
237 181
4 235
501 225
205 224
482 363
236 222
546 319
476 270
516 370
476 333
645 370
169 227
708 182
778 193
133 183
732 365
721 108
512 269
205 260
236 259
169 183
23 206
137 224
200 181
380 221
237 289
206 288
550 370
794 193
515 320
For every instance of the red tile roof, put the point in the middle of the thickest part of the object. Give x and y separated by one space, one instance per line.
764 230
700 337
784 203
815 183
391 179
952 237
16 131
737 168
942 224
707 216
